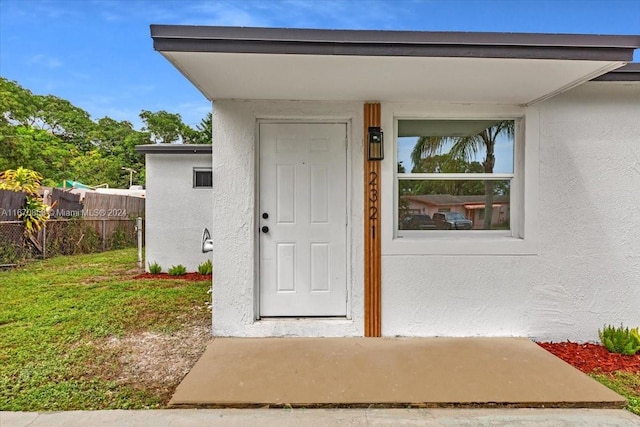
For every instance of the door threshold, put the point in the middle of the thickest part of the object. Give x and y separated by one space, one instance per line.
302 318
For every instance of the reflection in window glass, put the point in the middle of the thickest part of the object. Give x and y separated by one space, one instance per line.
454 204
455 146
454 174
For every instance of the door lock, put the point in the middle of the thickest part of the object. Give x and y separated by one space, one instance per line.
265 229
265 215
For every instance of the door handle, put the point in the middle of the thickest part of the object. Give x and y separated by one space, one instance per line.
265 229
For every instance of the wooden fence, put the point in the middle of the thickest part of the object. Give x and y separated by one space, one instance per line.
65 237
66 204
100 222
112 206
10 203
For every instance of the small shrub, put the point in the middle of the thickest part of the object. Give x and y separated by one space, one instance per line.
155 268
120 239
9 253
205 267
620 340
177 270
72 237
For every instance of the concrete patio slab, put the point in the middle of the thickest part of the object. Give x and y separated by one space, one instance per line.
386 372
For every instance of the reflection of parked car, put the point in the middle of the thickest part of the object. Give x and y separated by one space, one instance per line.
451 221
418 222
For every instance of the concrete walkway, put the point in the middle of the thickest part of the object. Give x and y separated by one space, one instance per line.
386 372
326 417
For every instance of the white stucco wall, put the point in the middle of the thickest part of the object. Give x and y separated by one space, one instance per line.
585 269
176 213
577 268
234 222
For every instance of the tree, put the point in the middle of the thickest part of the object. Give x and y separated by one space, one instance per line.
108 133
20 107
167 128
466 148
446 163
61 118
35 149
116 145
163 127
204 130
93 169
58 140
35 212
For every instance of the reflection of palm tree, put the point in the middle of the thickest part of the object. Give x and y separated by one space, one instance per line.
466 148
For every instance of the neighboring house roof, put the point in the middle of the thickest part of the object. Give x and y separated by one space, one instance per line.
174 149
362 65
451 200
132 192
68 183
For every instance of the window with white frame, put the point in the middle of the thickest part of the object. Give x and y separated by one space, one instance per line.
202 178
455 175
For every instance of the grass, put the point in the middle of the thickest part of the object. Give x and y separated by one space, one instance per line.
54 315
624 383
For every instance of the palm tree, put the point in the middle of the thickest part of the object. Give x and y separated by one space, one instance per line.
466 148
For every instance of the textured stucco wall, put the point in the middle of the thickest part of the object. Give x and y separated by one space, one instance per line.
176 212
581 270
234 218
587 268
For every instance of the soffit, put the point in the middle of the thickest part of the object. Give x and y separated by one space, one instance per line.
329 65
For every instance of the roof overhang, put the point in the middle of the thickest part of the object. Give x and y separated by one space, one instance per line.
412 66
174 149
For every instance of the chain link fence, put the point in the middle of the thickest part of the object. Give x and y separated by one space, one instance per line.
13 243
65 237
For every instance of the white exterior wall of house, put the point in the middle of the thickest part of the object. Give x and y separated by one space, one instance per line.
583 267
176 213
235 217
576 270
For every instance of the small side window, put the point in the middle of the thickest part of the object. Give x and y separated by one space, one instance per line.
202 178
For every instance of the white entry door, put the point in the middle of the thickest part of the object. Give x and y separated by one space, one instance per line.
303 219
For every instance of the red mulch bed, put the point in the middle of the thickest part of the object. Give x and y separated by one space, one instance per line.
592 357
192 277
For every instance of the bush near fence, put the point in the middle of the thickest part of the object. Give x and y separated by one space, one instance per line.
13 245
65 237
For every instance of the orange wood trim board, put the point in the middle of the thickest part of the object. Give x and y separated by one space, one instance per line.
372 254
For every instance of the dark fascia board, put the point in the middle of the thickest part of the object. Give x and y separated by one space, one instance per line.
183 38
173 149
627 73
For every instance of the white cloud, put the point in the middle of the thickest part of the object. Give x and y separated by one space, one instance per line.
302 13
53 10
44 60
193 112
225 13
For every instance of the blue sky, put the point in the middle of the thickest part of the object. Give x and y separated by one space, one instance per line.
99 54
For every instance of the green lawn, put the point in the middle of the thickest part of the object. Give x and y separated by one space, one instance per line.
625 384
55 316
